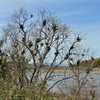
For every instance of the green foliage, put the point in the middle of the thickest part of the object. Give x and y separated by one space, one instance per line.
70 98
10 88
95 63
10 92
93 94
17 94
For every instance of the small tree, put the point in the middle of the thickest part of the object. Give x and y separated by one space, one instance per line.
80 83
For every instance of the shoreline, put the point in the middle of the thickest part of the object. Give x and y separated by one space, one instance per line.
68 70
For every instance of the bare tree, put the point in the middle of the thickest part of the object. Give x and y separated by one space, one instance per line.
79 86
44 40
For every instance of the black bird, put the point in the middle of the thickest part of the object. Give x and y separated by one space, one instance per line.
22 53
54 27
78 39
15 45
48 29
47 43
42 44
44 22
34 54
23 39
31 16
66 57
71 59
21 27
57 38
86 61
72 47
83 55
48 48
78 62
30 44
56 53
38 40
92 58
66 35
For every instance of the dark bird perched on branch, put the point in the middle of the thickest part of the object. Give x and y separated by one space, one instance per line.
42 44
48 29
72 47
22 53
57 38
44 22
48 48
54 27
30 44
66 57
66 35
92 58
71 59
21 26
31 16
47 43
34 54
86 61
78 39
56 53
23 39
38 40
82 55
15 45
78 62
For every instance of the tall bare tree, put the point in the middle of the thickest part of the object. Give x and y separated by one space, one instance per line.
43 40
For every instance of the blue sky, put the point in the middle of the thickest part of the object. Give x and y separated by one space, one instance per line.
82 15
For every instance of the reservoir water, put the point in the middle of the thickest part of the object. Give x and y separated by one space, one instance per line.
92 79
